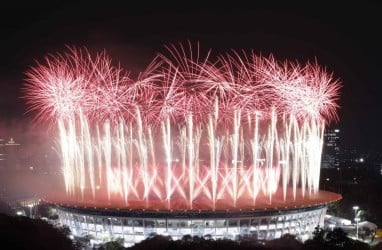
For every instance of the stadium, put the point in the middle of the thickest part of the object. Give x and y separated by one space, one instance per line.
222 148
135 225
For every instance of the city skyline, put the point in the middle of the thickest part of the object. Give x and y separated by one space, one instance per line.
337 39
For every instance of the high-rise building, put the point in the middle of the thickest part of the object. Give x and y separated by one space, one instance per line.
11 154
2 154
331 149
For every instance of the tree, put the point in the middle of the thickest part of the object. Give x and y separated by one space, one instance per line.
186 239
116 244
155 242
64 230
287 241
318 233
83 242
20 232
338 238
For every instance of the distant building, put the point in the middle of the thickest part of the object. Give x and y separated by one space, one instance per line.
331 149
11 155
2 154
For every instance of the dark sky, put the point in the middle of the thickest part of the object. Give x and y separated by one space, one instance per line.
344 38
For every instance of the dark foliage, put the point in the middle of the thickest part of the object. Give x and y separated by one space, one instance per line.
113 245
19 232
197 243
332 240
336 239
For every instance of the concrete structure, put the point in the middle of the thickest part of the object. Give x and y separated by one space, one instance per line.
135 225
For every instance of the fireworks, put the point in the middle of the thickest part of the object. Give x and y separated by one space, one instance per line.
188 129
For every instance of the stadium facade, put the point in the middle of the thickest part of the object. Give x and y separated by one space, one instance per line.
135 225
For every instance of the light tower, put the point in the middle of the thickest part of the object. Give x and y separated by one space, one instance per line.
355 208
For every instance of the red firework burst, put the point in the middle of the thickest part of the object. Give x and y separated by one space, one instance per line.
183 83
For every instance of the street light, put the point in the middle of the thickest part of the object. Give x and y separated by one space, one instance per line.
356 221
355 208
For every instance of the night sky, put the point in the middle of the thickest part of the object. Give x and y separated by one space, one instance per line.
344 39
